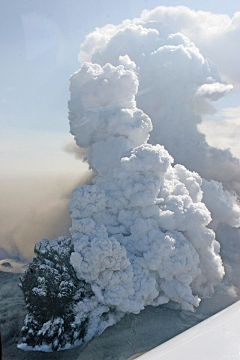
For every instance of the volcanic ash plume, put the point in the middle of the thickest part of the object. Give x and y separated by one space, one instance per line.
177 86
139 232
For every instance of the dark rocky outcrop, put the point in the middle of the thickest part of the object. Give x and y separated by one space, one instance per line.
51 289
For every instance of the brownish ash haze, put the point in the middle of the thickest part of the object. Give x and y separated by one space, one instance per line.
34 207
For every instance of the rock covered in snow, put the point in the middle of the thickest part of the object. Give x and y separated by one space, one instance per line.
54 297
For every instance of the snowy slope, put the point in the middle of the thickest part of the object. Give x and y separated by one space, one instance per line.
215 338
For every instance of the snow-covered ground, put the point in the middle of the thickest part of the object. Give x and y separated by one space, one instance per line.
133 334
215 338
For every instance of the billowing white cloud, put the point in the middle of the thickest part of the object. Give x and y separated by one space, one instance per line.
139 198
141 232
176 87
176 83
217 35
213 91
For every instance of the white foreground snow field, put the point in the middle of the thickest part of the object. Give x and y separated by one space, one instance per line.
217 338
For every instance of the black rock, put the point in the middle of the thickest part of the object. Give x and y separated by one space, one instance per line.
7 264
51 289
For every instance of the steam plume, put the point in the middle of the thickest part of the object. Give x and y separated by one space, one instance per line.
215 34
141 232
176 86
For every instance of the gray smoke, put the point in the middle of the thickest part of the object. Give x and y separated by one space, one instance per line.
73 149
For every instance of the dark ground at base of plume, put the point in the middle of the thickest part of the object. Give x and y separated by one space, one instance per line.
133 334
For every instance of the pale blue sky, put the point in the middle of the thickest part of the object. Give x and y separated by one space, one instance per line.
39 45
